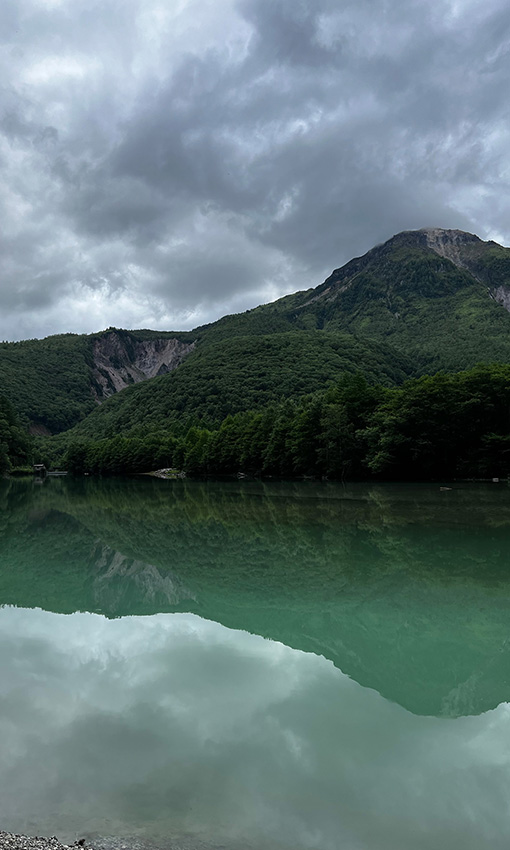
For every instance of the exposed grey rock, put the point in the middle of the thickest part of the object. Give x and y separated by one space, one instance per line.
118 575
449 244
501 294
116 365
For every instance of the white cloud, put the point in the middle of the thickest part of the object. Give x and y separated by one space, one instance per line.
54 68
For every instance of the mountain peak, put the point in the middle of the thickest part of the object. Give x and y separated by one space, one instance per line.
383 292
454 245
447 243
448 234
436 237
444 233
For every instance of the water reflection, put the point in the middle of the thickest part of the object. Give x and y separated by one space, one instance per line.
170 724
406 589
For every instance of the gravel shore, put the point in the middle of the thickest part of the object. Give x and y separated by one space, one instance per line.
8 841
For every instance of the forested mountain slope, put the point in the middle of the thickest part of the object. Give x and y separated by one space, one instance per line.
243 373
424 301
442 426
440 297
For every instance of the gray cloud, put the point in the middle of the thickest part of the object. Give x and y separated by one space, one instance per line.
163 165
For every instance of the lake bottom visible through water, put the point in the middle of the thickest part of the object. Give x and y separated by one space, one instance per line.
203 665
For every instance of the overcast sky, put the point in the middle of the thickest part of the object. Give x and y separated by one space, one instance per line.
164 162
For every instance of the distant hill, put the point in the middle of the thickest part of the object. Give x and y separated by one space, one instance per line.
422 302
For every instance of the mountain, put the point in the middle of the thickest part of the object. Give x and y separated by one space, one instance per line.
422 302
435 294
439 297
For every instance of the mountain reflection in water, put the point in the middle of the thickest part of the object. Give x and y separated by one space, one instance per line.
404 588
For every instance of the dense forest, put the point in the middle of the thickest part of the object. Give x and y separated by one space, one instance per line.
48 380
434 427
15 443
240 374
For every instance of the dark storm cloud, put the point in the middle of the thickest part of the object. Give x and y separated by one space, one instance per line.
164 163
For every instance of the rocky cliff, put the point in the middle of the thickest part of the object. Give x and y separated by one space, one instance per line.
120 360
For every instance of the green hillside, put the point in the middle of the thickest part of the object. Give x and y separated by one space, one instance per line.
243 373
441 312
423 302
438 427
48 380
55 382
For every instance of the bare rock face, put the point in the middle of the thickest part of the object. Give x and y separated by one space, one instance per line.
455 245
501 294
450 244
120 361
120 578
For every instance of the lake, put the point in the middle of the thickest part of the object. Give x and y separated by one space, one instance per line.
255 665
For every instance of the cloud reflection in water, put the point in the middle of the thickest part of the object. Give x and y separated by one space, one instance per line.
171 724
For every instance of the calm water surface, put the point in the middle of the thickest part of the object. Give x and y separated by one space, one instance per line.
249 665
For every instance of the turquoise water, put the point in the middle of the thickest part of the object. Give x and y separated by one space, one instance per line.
247 665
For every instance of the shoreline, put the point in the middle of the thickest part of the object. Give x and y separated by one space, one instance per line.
12 841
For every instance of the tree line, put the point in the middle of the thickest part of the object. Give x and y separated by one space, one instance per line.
434 427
